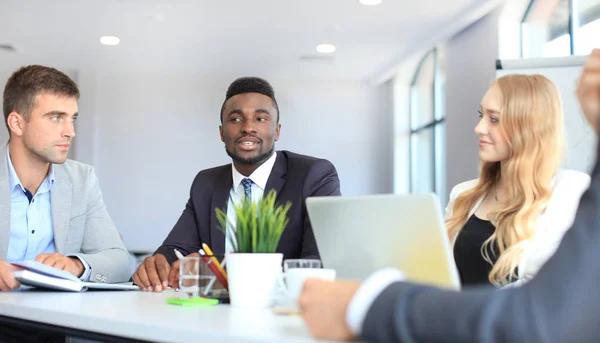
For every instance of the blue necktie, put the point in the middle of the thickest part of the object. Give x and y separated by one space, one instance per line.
247 183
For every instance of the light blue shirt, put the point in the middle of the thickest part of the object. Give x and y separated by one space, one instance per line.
30 221
31 231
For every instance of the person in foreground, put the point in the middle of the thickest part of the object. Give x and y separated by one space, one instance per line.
560 304
53 211
507 223
249 128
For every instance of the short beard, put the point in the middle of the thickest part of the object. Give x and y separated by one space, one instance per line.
43 156
253 160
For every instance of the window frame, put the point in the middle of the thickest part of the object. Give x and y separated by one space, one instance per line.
439 119
575 21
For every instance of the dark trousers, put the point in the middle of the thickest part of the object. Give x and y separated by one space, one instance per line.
20 334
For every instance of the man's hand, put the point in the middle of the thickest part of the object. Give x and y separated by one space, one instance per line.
153 274
7 279
324 304
588 90
70 264
174 274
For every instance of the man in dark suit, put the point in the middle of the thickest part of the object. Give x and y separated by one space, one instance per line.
561 304
249 128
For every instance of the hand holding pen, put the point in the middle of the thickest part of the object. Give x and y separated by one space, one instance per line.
155 273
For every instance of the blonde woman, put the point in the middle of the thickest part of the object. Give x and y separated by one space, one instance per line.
506 224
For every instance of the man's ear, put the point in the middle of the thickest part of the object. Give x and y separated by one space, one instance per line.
15 123
277 130
221 133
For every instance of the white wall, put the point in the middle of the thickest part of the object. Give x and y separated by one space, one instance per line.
149 134
470 68
4 75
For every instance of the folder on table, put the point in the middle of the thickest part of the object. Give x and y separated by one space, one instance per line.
39 275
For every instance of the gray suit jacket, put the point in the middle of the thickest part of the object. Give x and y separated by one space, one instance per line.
80 222
561 304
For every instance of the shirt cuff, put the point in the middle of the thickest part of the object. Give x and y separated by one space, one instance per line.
367 293
86 273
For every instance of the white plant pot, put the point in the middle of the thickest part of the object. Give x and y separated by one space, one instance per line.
253 278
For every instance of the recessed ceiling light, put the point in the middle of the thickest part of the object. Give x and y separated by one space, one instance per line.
370 2
325 48
109 40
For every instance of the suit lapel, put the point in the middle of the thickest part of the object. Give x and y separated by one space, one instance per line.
277 178
220 196
4 204
60 202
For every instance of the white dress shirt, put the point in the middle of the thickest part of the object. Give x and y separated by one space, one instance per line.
259 181
367 293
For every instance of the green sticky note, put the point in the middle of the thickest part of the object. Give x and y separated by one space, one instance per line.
198 301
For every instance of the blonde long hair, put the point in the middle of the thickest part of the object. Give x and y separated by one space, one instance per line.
531 119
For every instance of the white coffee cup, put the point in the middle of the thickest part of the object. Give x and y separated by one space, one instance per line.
293 279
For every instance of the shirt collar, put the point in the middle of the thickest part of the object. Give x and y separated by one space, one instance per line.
14 178
259 176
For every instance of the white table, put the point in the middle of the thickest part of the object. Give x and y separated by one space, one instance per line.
147 317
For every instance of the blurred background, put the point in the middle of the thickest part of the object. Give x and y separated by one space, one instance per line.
386 90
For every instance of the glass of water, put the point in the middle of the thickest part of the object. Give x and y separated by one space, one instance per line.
189 277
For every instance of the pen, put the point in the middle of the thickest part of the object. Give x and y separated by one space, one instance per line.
180 257
178 254
214 269
214 259
212 280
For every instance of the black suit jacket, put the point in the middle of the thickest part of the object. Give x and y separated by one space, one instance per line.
294 177
560 304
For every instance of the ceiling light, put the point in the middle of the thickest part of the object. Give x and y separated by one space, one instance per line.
325 48
109 40
370 2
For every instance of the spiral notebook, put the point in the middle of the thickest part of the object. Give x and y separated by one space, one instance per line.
38 275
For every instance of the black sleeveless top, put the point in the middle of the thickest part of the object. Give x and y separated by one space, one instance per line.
473 269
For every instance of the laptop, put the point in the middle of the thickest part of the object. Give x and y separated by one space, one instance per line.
359 235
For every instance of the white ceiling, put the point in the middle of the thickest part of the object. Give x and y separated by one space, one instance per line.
240 37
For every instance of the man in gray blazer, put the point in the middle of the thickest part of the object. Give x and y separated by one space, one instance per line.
52 209
561 304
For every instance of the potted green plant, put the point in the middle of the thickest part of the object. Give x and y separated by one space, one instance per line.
253 268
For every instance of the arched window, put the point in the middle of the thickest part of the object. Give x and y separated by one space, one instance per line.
427 126
552 28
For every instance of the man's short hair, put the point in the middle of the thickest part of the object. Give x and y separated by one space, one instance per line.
28 82
250 85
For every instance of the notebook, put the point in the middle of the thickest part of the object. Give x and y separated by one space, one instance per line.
40 275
